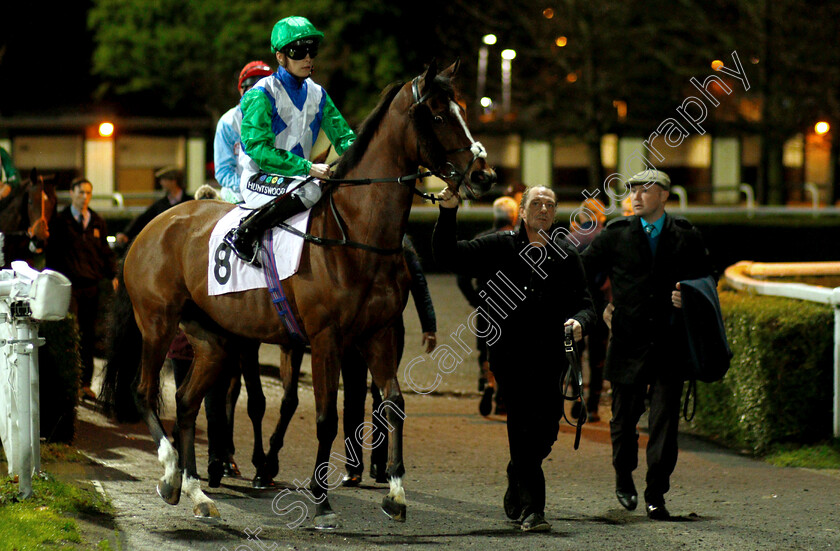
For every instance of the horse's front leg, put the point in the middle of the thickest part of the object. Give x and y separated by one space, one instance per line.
382 354
326 359
290 373
250 365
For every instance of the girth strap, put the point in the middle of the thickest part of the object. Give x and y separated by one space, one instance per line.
275 289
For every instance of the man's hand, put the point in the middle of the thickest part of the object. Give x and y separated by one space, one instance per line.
448 199
430 340
577 328
608 312
676 297
320 170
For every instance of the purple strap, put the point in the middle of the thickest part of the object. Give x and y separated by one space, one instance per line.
275 288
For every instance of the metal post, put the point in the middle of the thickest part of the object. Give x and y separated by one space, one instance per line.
836 370
24 411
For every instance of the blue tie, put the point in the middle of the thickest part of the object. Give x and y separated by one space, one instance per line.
650 229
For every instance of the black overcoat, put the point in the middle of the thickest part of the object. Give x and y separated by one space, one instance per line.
647 337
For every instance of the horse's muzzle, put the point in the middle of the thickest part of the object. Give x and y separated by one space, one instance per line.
483 179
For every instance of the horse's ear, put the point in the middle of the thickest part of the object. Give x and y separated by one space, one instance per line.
431 73
452 70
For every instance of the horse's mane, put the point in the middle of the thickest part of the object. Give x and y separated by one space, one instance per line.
366 131
12 208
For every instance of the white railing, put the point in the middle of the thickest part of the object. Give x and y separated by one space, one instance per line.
26 297
738 277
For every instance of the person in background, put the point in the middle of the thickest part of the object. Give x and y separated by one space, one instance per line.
596 342
78 248
227 143
172 181
504 219
646 256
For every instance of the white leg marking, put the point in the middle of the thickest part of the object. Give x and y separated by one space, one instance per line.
203 506
168 457
397 492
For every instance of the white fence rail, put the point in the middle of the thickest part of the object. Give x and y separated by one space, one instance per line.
738 277
26 297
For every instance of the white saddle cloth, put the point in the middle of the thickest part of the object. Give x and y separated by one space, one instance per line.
226 273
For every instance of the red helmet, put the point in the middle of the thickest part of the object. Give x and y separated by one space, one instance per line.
251 73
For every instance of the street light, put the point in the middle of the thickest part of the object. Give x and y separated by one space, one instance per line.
483 53
507 57
106 129
822 127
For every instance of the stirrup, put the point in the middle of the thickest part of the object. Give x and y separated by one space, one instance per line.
231 240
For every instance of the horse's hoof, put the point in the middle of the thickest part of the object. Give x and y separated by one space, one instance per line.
206 510
261 483
393 509
327 521
168 493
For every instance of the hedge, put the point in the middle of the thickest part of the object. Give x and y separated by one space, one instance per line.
60 368
779 385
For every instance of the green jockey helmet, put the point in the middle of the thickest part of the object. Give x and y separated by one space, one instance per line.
291 29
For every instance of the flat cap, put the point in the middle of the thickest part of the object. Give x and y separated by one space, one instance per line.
652 176
169 173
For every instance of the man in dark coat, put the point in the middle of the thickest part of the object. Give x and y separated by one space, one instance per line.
172 181
645 256
539 287
78 248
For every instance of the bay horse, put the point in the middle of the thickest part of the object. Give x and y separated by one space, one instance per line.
24 218
342 296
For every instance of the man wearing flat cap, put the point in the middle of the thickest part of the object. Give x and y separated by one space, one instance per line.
645 256
172 181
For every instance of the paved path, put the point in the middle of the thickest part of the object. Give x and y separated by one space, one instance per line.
455 480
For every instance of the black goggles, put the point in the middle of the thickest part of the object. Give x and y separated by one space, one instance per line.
300 52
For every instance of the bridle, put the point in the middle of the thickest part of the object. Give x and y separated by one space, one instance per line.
410 180
451 171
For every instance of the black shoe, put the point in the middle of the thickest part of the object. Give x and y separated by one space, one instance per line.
513 507
625 491
535 522
657 511
486 404
243 247
379 473
215 471
628 500
231 470
351 480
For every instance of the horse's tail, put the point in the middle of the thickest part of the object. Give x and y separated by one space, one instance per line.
122 368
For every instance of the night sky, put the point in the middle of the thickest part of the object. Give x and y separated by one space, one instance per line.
45 58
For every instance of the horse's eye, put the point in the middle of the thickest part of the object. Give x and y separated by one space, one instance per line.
438 119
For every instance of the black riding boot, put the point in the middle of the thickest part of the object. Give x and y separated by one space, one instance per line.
245 240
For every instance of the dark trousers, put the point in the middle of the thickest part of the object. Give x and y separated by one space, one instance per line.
84 304
533 420
628 405
597 343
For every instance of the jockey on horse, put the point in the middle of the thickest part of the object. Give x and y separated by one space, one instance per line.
273 159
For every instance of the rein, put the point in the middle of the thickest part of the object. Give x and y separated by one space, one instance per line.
573 379
406 180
